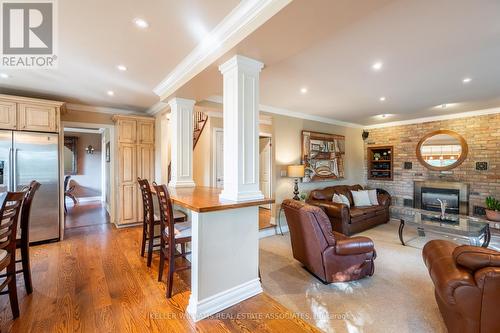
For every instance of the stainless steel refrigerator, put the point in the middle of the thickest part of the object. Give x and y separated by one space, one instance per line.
27 156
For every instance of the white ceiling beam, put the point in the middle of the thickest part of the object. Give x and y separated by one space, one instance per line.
244 19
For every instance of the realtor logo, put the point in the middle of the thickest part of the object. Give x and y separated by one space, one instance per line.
28 34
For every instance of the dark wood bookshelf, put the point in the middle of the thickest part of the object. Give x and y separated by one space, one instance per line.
380 162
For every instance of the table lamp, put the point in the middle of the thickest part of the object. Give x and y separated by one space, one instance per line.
296 171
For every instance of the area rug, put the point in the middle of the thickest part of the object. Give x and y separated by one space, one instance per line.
399 297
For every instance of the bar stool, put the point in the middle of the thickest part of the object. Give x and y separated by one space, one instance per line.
9 214
150 220
171 235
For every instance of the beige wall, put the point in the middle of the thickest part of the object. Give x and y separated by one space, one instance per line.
87 117
287 150
88 176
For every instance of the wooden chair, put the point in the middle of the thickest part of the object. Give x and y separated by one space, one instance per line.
171 235
150 220
23 240
9 214
68 192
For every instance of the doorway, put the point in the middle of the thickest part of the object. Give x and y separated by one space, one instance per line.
265 168
86 176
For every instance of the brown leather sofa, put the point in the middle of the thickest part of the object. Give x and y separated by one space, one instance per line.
350 220
330 256
467 285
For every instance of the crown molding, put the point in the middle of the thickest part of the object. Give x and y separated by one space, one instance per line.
101 109
263 119
436 118
245 18
158 107
83 130
293 114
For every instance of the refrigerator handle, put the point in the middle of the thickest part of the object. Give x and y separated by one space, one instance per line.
11 169
14 178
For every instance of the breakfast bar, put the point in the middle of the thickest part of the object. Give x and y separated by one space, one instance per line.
225 249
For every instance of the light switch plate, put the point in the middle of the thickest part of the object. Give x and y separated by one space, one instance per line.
283 173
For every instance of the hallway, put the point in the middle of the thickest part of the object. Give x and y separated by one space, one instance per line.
86 214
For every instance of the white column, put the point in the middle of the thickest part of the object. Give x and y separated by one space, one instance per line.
181 120
241 129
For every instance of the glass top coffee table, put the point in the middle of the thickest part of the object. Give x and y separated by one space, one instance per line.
472 229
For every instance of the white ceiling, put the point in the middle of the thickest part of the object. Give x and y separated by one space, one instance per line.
95 36
427 47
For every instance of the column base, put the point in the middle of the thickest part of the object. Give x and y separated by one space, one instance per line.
181 183
241 196
218 302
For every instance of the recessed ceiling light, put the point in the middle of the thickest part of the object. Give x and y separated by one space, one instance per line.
466 80
141 23
4 76
303 90
377 66
111 93
382 99
444 106
122 68
383 116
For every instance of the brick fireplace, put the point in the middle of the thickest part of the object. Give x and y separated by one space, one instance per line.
482 134
456 195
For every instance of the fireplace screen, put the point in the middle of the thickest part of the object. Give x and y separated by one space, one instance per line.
431 195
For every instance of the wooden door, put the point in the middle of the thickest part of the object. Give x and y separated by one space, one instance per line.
146 162
127 131
145 132
128 203
127 156
34 117
8 115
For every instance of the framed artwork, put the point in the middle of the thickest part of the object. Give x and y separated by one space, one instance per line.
108 152
323 156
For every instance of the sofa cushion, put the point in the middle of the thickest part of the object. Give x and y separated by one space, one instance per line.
361 198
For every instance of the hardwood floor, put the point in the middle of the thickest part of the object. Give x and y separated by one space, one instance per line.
96 281
86 213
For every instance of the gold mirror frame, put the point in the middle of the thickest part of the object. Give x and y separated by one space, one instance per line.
461 158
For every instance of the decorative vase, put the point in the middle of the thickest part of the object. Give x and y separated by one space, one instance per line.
493 215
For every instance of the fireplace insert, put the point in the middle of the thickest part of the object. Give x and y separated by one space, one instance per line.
431 195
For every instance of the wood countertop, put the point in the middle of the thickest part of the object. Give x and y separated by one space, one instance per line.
206 199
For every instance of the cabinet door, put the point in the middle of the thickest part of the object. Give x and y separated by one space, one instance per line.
33 117
145 132
127 156
127 131
146 162
8 115
128 203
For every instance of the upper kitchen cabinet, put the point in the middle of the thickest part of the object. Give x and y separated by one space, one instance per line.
29 114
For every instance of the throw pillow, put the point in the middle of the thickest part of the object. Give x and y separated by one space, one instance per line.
372 194
361 198
345 201
340 198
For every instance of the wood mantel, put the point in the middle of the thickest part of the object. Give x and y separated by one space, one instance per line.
206 199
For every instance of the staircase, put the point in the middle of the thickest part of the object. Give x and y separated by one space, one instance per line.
199 122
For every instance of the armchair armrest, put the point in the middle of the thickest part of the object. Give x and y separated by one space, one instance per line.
475 258
354 245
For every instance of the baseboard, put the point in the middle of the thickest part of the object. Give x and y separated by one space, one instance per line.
223 300
88 199
121 226
272 231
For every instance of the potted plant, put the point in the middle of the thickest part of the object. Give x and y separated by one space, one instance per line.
492 209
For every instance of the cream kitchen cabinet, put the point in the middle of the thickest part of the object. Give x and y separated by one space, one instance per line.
29 114
135 143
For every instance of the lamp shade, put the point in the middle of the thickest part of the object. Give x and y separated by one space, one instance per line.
295 171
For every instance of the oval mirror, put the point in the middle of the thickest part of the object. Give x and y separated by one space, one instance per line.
442 150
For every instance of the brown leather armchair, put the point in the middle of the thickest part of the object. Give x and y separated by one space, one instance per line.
351 220
330 256
467 285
